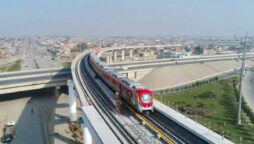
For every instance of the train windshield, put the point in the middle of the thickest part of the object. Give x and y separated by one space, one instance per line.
146 98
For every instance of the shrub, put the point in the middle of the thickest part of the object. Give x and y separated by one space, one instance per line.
200 105
207 95
198 83
248 111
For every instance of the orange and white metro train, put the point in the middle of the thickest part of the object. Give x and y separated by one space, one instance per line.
132 92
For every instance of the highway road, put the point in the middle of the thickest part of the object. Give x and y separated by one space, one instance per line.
28 57
36 57
45 60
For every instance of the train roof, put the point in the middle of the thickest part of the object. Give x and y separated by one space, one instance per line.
110 70
93 54
103 65
131 83
117 75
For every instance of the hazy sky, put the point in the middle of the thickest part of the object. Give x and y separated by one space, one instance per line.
126 17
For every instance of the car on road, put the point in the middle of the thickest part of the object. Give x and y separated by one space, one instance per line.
8 132
124 68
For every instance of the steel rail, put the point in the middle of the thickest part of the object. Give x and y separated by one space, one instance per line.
172 127
151 125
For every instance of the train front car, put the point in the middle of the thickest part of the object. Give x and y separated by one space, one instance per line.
145 100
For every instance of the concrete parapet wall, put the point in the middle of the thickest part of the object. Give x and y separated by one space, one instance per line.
31 71
97 127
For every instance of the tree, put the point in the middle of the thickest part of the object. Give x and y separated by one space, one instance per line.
79 47
198 50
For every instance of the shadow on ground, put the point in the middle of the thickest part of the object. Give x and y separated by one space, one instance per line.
42 120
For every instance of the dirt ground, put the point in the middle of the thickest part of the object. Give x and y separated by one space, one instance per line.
165 77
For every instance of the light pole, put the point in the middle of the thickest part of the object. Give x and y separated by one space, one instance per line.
241 79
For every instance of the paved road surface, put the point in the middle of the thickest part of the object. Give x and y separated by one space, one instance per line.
28 125
34 57
248 88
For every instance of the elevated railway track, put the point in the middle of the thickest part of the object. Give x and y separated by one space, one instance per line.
168 131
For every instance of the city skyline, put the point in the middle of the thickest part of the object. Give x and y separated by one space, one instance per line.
126 18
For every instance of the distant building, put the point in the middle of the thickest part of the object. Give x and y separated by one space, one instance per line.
146 54
13 51
209 52
186 54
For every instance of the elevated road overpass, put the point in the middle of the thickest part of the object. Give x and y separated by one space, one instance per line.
113 51
174 68
34 72
139 47
219 57
177 61
34 79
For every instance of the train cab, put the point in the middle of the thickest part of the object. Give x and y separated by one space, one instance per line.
145 100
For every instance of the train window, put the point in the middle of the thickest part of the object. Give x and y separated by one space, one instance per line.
146 98
138 87
105 67
114 75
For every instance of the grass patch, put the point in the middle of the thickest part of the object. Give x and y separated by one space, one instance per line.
14 67
215 106
66 64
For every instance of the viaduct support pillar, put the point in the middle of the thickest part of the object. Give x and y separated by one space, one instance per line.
115 56
108 59
57 89
123 55
131 53
72 100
